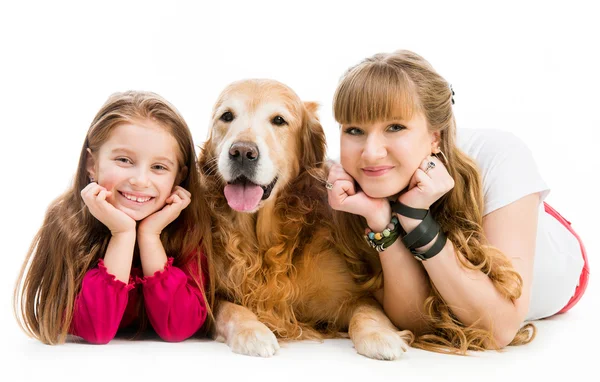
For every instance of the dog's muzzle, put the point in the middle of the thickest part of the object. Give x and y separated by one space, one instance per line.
242 193
243 158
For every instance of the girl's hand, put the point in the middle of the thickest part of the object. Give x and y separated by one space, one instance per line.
427 186
343 197
154 224
94 197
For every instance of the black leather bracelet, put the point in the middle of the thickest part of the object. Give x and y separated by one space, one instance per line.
409 212
422 234
430 232
434 250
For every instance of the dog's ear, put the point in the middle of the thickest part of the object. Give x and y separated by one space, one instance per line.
313 143
205 156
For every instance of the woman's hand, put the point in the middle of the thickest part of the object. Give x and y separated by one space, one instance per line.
94 197
343 197
427 185
154 224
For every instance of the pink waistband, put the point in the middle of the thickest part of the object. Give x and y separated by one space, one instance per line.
585 273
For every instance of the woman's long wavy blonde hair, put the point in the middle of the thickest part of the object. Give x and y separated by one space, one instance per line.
71 241
374 90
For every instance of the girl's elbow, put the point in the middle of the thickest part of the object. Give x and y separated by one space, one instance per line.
176 334
96 335
180 332
99 339
173 337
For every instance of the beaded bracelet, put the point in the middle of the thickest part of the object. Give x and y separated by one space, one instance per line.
381 240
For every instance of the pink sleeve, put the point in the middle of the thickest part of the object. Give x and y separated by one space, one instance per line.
99 306
174 303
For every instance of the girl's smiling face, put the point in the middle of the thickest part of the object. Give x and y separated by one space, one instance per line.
139 164
383 156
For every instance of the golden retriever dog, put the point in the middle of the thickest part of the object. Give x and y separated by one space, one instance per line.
278 272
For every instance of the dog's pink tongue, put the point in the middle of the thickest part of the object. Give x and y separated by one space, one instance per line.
243 197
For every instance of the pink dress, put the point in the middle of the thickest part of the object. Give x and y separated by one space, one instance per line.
174 304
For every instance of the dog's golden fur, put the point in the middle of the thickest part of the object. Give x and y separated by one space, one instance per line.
280 261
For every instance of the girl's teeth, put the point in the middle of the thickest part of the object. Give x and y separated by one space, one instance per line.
139 200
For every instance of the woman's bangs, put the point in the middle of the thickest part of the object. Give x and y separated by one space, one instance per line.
374 93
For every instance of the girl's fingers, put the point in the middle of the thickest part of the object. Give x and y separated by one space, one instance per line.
185 199
183 195
173 199
96 190
101 196
91 191
181 190
176 200
87 190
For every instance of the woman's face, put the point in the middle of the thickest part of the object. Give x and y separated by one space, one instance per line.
383 156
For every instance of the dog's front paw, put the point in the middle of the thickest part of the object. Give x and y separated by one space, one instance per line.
255 339
380 343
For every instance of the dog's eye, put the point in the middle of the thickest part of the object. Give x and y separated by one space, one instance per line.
278 120
227 117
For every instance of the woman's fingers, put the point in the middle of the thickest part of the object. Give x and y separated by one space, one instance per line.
337 174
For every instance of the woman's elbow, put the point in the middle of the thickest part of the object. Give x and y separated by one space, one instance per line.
505 335
503 338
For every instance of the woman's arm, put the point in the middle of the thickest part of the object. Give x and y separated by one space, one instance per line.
470 294
405 288
405 283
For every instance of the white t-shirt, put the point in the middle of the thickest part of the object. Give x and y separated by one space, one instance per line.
509 173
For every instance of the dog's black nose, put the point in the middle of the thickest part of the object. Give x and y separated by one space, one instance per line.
242 152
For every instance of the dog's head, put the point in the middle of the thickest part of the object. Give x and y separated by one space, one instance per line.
262 136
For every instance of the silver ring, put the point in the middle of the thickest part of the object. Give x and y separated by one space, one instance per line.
328 186
430 165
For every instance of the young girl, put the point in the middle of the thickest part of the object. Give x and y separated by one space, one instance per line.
453 219
121 246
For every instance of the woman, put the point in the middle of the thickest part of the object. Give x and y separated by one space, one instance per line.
457 218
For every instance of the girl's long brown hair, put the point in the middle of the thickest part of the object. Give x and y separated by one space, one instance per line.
71 241
375 90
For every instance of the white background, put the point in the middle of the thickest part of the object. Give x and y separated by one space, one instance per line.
526 67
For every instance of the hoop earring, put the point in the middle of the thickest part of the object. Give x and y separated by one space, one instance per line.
445 161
